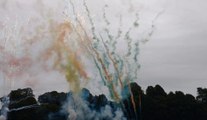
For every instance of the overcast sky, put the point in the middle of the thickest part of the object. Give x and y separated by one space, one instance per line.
175 57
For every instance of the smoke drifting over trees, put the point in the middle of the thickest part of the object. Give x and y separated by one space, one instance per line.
156 105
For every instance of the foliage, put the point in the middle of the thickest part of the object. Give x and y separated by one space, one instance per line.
156 104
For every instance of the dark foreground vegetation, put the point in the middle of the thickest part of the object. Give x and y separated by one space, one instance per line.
154 104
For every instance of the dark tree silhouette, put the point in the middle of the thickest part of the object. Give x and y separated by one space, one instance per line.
202 95
156 104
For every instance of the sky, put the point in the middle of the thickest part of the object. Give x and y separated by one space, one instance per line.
174 57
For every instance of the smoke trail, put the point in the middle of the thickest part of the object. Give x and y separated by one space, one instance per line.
136 54
114 63
93 30
133 100
119 31
152 29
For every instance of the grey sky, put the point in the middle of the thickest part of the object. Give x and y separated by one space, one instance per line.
176 55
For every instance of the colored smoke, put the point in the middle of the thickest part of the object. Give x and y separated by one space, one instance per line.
66 46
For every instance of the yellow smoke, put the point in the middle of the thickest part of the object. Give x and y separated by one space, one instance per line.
67 56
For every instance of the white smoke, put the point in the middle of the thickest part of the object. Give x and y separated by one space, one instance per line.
4 108
2 117
79 110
